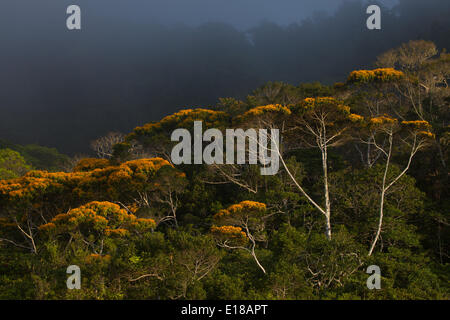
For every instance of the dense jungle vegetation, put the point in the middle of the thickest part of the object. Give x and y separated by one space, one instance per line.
363 181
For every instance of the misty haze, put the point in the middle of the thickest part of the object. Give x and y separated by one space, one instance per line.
137 61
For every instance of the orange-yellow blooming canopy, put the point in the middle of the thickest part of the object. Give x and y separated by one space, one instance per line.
376 75
101 217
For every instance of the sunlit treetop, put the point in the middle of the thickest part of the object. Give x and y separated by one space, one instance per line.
427 134
127 178
230 233
325 102
246 215
355 117
244 207
270 112
376 75
182 119
105 183
420 127
311 102
103 218
149 128
89 164
268 109
146 165
247 205
382 120
333 109
36 183
417 124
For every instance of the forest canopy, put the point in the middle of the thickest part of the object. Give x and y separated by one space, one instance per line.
363 181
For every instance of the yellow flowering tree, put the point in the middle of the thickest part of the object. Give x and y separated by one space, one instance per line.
36 198
247 176
29 201
93 223
241 226
373 92
161 199
266 114
321 123
376 75
153 139
386 134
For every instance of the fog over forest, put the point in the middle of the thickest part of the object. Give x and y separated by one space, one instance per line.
137 61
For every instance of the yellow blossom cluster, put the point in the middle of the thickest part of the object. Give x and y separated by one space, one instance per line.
244 207
355 117
335 109
268 109
104 217
382 120
109 181
427 134
421 127
419 124
120 232
378 75
230 232
181 119
325 102
36 182
313 102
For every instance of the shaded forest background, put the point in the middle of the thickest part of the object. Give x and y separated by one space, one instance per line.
63 89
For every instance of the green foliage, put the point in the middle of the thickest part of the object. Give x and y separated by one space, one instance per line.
39 157
12 164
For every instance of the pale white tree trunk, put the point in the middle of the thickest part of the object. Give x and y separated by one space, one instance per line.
327 211
415 147
326 190
383 193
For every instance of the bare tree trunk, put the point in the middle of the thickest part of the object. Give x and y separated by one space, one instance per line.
28 236
326 190
383 194
303 192
327 211
252 251
257 261
415 147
